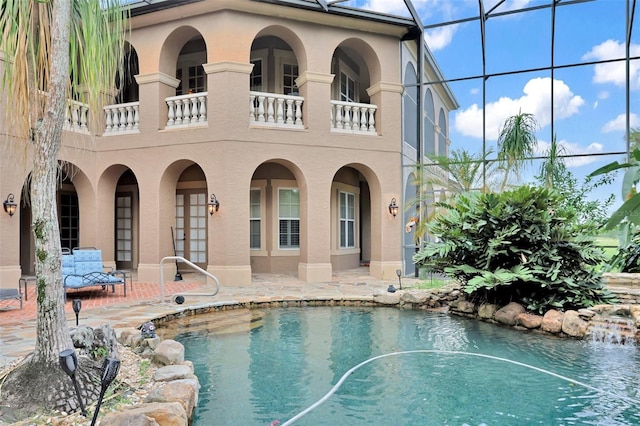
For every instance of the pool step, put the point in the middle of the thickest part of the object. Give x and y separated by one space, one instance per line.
225 322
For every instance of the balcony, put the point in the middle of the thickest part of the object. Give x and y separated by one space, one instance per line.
352 117
275 110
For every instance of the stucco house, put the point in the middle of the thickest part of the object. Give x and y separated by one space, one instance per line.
253 136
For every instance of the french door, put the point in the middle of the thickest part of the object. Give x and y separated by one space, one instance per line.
191 226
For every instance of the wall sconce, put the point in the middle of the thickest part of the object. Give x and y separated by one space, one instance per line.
9 205
213 204
393 207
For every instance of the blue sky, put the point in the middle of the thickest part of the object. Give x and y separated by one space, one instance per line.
590 103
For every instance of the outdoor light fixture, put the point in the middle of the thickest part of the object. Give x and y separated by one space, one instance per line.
393 207
9 205
213 204
110 368
77 305
69 363
399 274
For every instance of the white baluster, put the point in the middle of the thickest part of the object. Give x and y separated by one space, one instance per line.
108 120
123 118
203 108
289 111
347 117
355 125
372 120
338 116
298 113
136 117
279 111
261 109
252 108
74 116
270 112
129 117
194 109
172 114
179 114
84 112
363 120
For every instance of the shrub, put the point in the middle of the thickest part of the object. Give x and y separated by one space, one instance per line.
627 259
521 246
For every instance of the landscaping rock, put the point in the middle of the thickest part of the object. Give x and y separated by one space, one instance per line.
120 418
387 298
173 372
465 307
487 310
168 352
507 314
165 414
175 392
573 325
552 321
528 320
417 297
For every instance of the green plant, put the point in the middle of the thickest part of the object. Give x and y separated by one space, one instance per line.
627 258
520 245
99 352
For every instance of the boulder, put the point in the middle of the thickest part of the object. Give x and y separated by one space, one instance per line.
487 310
552 321
507 314
387 298
465 307
120 418
573 325
529 320
417 297
168 352
173 372
175 392
165 414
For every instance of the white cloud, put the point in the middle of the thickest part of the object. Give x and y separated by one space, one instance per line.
603 94
595 105
439 38
536 100
614 72
571 148
474 91
620 123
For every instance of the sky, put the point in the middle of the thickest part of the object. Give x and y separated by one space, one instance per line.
589 113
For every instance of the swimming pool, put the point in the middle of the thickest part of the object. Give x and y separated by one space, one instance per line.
278 362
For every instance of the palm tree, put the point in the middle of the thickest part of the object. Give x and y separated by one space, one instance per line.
50 49
437 182
516 142
553 169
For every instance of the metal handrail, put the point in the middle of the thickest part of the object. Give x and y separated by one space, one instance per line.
194 266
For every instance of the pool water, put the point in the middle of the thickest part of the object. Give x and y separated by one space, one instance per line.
284 360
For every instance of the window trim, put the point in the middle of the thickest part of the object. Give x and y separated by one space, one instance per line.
346 220
279 218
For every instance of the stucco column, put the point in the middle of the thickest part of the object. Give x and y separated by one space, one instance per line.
315 229
317 87
154 88
228 252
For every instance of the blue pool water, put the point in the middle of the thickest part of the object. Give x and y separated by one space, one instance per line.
294 356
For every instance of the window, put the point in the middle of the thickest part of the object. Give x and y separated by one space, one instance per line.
255 79
347 220
124 226
289 217
69 220
348 88
289 75
255 222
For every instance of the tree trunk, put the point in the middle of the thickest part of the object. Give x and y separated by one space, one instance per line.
52 331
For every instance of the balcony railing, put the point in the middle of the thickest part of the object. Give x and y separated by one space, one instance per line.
353 117
122 118
271 109
76 115
187 110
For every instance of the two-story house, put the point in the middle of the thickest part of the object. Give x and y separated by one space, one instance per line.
247 136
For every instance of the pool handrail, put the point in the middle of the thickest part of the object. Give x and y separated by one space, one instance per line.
194 266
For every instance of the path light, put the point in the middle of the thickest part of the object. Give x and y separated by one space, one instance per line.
110 368
393 207
69 363
213 204
77 305
399 274
9 205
